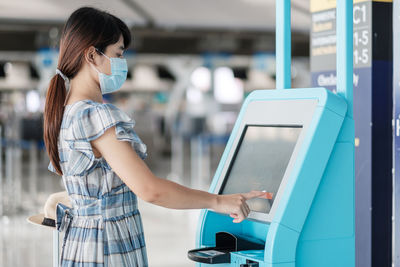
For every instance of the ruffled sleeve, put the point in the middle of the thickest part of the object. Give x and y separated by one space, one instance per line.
89 124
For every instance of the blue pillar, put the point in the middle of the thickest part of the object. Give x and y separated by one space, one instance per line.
283 44
344 52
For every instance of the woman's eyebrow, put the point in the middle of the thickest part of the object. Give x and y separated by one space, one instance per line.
122 47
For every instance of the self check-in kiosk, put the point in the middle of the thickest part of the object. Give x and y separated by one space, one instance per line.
298 145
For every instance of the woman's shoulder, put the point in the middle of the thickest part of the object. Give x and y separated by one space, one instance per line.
90 110
87 105
87 118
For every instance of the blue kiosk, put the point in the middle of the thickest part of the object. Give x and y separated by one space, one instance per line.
298 145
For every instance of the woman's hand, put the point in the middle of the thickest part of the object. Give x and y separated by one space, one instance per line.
235 204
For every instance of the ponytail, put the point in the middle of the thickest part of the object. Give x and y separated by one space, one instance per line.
53 114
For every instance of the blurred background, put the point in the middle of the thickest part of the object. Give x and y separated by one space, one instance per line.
191 65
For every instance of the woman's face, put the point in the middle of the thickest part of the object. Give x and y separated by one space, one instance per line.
113 50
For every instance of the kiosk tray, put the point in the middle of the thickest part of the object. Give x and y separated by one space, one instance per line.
211 255
225 244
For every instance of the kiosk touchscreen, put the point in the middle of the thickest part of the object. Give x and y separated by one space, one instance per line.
293 145
270 149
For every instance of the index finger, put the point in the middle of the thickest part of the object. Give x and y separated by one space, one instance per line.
257 194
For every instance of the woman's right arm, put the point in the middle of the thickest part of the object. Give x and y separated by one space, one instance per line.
125 162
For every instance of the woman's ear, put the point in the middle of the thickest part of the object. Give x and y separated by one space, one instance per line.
90 54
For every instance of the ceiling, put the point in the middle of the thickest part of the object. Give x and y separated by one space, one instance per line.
221 14
161 26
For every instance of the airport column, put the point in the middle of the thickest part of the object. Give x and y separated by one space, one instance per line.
372 80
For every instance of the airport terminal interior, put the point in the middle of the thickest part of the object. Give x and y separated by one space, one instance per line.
202 75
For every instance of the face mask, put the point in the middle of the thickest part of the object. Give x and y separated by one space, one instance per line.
119 71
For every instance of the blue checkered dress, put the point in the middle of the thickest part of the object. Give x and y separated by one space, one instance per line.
103 227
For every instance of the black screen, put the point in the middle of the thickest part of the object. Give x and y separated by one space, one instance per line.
260 162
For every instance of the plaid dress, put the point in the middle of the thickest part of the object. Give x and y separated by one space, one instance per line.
103 227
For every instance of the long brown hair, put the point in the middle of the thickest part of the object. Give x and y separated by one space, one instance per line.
84 28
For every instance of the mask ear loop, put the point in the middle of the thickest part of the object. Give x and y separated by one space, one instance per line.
91 64
94 68
98 72
98 50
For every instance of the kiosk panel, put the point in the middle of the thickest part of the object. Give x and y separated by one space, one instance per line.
296 145
270 149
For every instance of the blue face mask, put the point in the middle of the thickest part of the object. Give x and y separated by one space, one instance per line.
119 71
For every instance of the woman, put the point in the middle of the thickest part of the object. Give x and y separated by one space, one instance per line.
103 175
